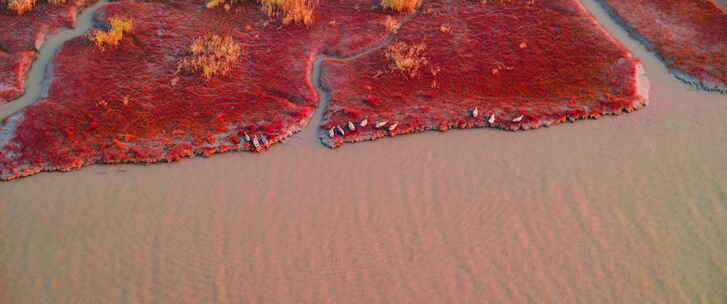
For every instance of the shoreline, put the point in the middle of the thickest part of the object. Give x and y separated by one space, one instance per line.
642 86
233 140
709 85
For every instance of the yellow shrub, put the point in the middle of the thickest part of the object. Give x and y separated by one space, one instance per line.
298 11
391 23
401 5
119 27
22 6
211 55
407 59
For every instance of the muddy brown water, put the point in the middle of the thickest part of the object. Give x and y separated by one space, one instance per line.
628 209
722 3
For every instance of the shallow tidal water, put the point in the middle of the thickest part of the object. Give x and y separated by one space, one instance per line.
627 209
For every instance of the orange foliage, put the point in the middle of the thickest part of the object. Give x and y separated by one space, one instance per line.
401 5
119 27
298 11
211 55
22 6
407 59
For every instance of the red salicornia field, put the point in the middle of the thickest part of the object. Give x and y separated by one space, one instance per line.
162 80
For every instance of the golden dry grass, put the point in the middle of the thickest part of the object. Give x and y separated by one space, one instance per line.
391 23
112 38
401 5
407 59
22 6
298 11
211 55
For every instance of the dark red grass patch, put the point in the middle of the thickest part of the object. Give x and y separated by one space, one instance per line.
689 35
21 36
13 68
523 64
